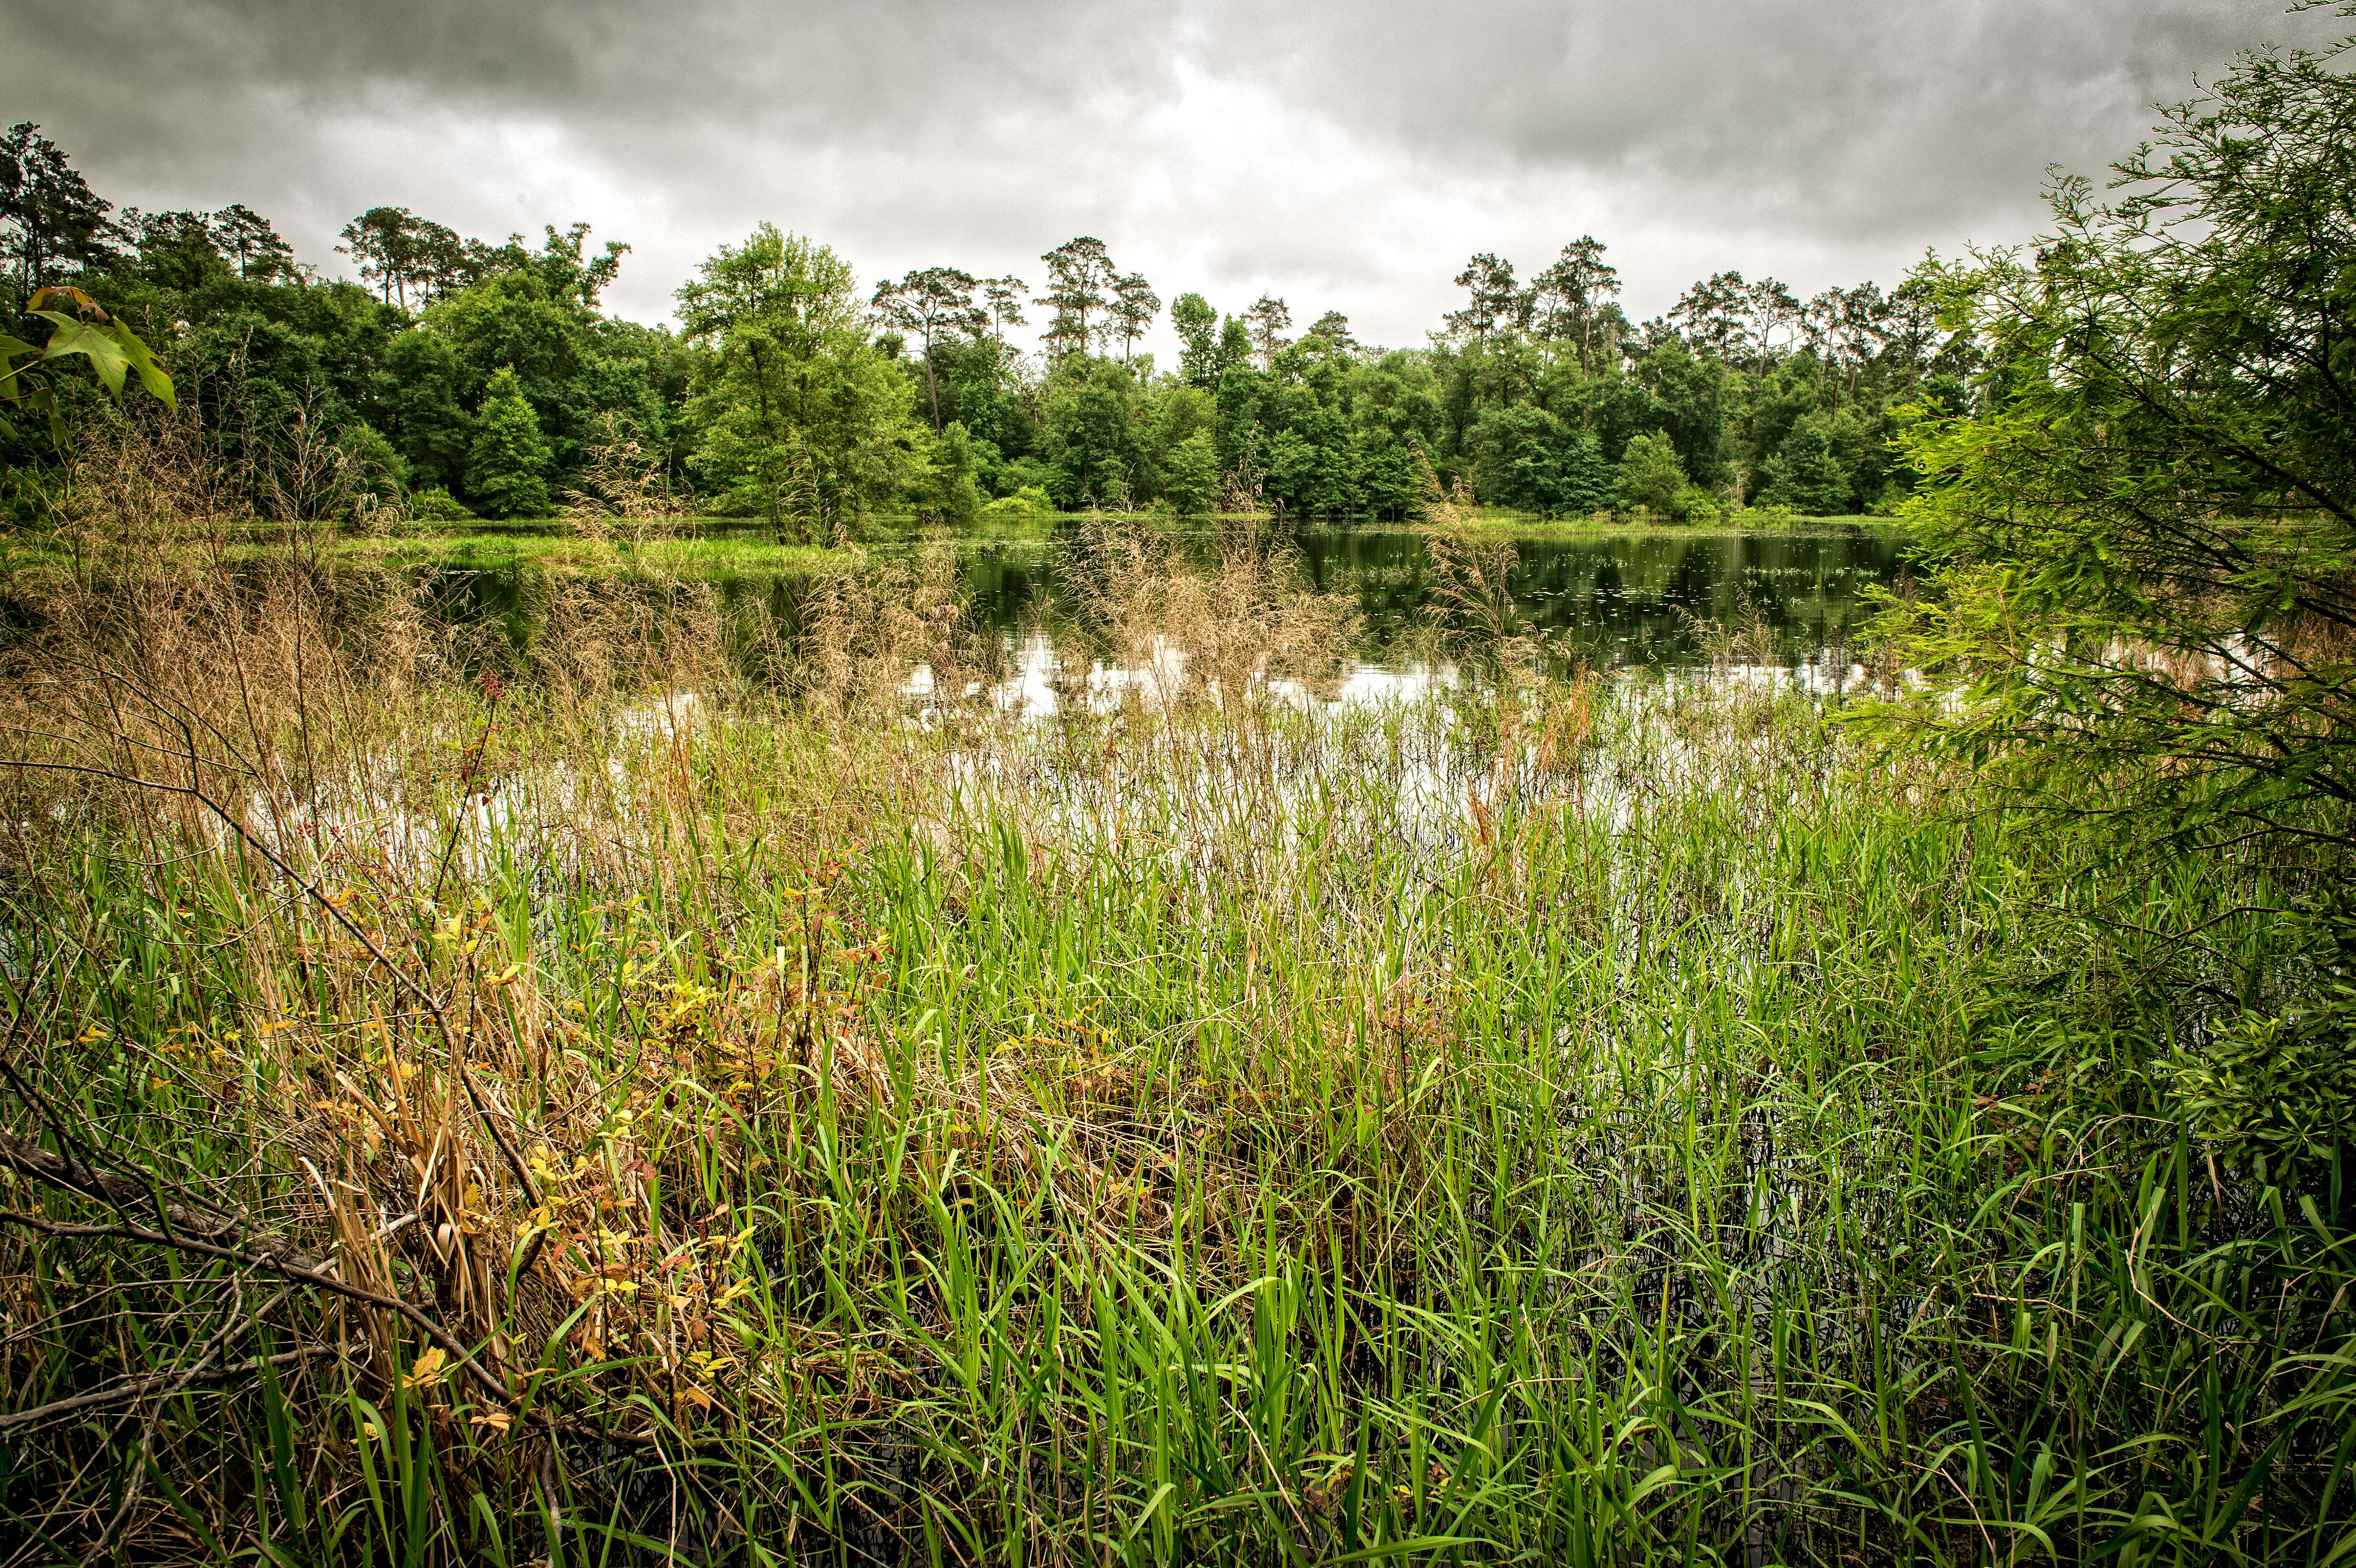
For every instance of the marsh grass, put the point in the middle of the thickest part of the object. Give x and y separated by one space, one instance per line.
1548 1119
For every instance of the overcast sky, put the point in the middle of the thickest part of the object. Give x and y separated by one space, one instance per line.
1343 155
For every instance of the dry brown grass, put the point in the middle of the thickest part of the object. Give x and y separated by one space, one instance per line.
1220 634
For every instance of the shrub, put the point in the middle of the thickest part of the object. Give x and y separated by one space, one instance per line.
435 504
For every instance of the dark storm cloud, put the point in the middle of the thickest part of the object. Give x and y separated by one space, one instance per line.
157 79
1852 116
1353 153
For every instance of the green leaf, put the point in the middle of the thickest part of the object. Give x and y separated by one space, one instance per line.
105 356
151 375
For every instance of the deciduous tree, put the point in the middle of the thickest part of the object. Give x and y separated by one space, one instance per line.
805 420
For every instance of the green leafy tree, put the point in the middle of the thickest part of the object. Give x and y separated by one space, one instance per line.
425 408
1198 339
2145 536
1191 475
1525 457
1650 474
507 463
956 489
805 421
1805 472
1089 435
1690 395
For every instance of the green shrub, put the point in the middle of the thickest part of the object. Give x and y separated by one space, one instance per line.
1024 504
435 504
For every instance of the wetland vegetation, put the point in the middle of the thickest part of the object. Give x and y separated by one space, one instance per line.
1076 1033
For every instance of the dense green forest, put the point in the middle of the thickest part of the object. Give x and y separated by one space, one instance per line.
464 376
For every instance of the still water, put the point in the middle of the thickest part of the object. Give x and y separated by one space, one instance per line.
1659 600
1608 600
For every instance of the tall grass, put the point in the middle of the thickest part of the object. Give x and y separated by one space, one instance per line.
639 1114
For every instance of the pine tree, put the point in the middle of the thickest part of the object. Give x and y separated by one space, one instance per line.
507 467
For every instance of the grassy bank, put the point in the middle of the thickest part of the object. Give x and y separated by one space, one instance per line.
719 1120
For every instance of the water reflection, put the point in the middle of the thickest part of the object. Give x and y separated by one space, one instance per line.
1613 599
1668 599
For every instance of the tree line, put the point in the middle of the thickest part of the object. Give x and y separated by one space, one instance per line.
468 375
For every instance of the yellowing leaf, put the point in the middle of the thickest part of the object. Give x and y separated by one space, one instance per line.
426 1370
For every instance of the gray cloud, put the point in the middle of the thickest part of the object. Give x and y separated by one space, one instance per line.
1346 154
1848 115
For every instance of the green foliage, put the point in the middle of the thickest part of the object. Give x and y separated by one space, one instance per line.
1199 362
1650 474
1696 505
1806 474
50 220
1026 505
109 347
508 463
2145 536
379 476
1191 478
435 505
1527 458
1089 434
956 496
2274 1094
805 420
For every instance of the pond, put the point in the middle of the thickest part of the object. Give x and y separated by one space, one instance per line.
1625 599
1616 600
